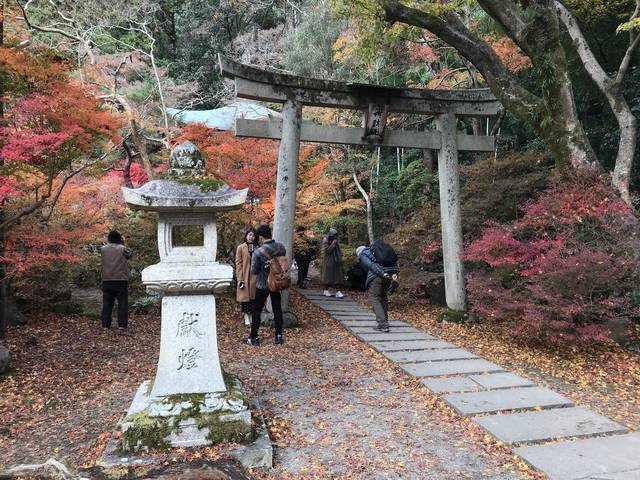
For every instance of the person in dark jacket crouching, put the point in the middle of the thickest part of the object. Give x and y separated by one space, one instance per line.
115 279
381 263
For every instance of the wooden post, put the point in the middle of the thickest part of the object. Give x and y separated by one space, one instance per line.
287 182
449 181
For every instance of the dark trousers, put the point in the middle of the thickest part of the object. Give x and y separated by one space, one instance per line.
378 289
303 270
112 290
258 305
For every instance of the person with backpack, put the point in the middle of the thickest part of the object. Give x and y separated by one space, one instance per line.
270 264
381 262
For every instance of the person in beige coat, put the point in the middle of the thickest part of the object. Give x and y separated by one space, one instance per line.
246 285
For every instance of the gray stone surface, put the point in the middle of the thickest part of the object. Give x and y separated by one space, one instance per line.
189 360
259 453
501 380
394 329
168 195
547 425
429 355
391 336
451 384
355 318
608 458
499 400
409 345
51 469
5 359
371 323
452 367
628 475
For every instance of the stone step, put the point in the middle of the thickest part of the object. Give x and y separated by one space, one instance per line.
353 314
494 381
451 385
474 383
547 425
429 355
606 458
493 401
410 345
371 323
388 337
393 329
451 367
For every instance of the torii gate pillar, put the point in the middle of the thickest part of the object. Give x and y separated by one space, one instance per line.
287 182
450 216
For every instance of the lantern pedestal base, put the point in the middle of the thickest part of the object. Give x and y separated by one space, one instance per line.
186 420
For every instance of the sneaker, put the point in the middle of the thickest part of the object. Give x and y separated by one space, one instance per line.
378 328
251 341
279 340
327 293
339 294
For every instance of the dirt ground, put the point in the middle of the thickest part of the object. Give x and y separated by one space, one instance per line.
334 407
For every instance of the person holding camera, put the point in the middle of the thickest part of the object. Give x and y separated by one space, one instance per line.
381 262
115 279
246 285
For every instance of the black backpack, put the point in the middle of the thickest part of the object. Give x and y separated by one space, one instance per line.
385 254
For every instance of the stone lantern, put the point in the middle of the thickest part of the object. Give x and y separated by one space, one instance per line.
190 402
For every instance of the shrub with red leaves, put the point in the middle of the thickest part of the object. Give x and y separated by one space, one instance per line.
564 270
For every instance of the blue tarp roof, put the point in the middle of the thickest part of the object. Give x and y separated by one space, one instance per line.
223 118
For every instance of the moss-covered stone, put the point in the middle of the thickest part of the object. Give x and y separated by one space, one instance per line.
453 316
148 431
145 433
221 430
206 184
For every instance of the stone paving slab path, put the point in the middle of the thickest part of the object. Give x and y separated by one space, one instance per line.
371 323
388 337
476 387
453 367
371 329
548 425
613 457
500 400
410 345
429 355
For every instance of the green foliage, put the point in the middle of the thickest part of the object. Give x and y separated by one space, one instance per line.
308 48
413 185
143 92
67 307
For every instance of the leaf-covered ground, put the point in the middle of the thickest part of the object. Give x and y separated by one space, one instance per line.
334 407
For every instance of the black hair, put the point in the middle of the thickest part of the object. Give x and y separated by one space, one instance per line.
114 237
264 231
248 231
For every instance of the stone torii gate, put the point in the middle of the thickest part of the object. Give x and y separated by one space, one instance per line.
376 102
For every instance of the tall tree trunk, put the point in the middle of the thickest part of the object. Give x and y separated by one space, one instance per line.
612 89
